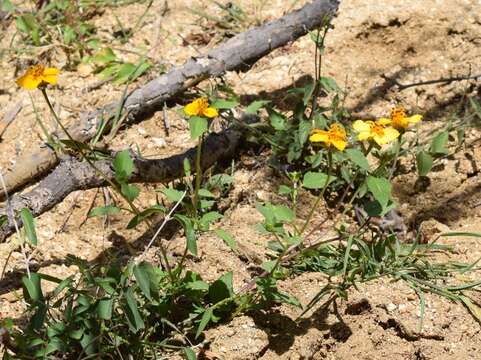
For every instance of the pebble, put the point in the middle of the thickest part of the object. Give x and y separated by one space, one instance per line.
159 142
391 307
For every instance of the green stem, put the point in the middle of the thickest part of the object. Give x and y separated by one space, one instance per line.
321 194
47 135
396 156
198 175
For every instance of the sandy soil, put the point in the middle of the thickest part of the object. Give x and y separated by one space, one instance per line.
408 41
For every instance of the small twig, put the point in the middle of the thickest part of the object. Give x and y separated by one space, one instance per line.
430 82
165 118
9 117
91 205
166 219
63 227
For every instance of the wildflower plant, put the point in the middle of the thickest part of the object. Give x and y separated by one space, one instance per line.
138 309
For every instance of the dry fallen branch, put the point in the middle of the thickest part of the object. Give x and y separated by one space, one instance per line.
238 53
72 175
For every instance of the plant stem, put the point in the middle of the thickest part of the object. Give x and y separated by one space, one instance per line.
198 174
47 135
396 156
321 194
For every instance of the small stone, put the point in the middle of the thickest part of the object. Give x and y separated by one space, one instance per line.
159 142
142 131
391 307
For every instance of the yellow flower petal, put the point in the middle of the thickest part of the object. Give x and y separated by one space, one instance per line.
51 79
383 121
319 137
390 134
51 71
192 109
210 112
361 126
414 119
339 144
28 82
38 75
365 135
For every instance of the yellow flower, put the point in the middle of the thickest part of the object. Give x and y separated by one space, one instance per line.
38 75
335 136
200 107
399 120
375 130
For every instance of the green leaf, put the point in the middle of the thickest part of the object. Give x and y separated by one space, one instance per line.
438 145
358 158
29 226
3 220
172 195
227 238
380 188
7 6
109 71
255 106
283 214
267 211
198 126
209 218
304 131
140 69
189 233
26 23
316 180
206 193
132 311
33 288
123 165
104 57
137 219
329 84
124 73
221 288
285 190
129 191
278 122
54 345
462 234
204 321
224 104
62 285
104 211
69 35
308 90
141 273
198 285
104 308
88 343
424 163
189 354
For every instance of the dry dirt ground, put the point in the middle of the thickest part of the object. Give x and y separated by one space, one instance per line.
408 40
